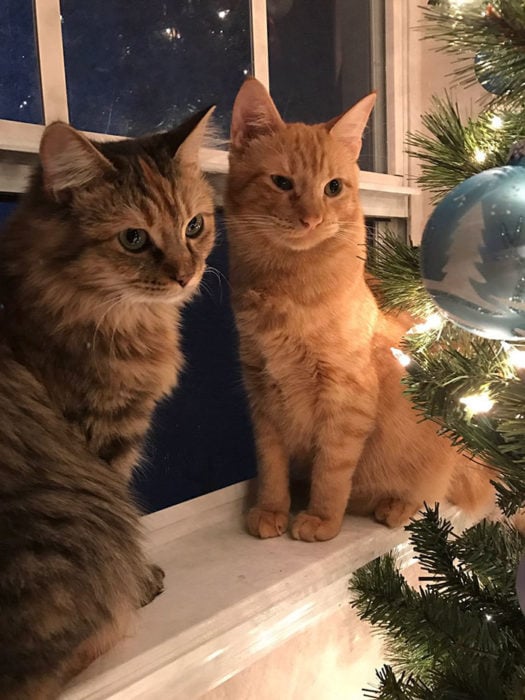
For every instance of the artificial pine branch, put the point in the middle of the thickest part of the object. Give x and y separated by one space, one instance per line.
449 152
448 641
494 32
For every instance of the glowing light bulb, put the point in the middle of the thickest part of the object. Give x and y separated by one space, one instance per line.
516 356
433 322
477 403
222 14
480 156
403 359
496 122
488 617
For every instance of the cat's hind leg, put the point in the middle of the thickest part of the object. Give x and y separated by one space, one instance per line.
395 512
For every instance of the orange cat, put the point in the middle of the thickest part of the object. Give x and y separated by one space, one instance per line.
323 386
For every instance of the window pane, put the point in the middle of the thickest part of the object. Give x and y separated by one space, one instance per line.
7 205
201 439
325 56
135 67
20 94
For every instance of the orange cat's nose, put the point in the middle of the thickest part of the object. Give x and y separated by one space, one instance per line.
310 221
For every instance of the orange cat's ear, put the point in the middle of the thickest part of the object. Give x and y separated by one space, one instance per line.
188 152
254 113
68 159
350 125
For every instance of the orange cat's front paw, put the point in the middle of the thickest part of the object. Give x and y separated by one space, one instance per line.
266 523
394 512
312 528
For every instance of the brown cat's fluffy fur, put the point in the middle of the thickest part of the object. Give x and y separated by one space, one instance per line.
89 343
323 386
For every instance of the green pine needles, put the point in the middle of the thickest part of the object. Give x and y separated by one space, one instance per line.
490 33
462 635
452 149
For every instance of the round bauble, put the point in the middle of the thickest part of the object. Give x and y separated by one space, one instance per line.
473 254
492 83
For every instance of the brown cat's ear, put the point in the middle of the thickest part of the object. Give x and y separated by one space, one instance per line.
188 152
254 113
350 125
69 159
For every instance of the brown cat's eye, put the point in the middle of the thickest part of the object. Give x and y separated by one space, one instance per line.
135 240
333 188
195 226
283 183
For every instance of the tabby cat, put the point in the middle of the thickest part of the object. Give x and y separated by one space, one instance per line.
322 383
107 244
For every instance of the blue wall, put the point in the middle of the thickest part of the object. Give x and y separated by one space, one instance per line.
201 437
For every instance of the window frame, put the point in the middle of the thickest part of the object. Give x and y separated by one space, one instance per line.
382 194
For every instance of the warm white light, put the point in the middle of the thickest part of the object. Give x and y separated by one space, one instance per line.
403 359
477 403
480 156
171 33
488 617
222 14
433 322
496 122
516 356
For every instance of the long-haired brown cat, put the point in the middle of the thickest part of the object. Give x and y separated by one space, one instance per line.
106 246
323 386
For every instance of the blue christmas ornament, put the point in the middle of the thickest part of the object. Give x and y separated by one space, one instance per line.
492 83
473 252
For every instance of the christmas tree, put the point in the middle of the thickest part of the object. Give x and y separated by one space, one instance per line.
462 634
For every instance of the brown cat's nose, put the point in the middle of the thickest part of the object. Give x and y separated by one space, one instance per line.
182 279
311 220
178 276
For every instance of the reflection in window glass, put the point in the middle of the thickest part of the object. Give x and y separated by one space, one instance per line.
135 67
324 56
20 95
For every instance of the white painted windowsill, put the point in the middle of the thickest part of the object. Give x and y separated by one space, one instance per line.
229 598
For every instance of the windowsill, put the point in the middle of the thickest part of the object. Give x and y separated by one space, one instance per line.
229 599
382 195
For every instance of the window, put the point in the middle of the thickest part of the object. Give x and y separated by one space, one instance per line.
121 68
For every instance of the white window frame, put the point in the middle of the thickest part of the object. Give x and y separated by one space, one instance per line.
382 195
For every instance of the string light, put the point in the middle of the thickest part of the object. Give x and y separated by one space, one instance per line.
403 359
222 14
433 322
496 122
477 403
515 355
480 156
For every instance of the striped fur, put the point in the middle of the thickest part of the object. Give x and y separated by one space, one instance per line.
89 343
324 389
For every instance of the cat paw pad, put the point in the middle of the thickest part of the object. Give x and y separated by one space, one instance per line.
266 523
312 528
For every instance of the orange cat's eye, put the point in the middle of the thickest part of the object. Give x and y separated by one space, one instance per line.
333 188
283 183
